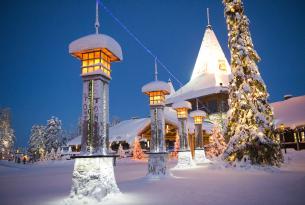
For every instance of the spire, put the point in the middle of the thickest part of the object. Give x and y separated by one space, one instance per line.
197 103
156 69
97 23
208 18
211 58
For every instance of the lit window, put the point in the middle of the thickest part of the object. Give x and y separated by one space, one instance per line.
91 58
222 65
85 56
96 61
156 97
198 120
182 112
97 54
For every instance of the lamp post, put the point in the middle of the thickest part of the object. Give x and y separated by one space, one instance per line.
93 174
156 90
184 154
198 116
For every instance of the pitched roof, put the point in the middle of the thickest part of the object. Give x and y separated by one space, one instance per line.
211 69
290 112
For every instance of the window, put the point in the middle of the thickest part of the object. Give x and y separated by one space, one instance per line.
198 120
156 97
222 65
182 112
91 62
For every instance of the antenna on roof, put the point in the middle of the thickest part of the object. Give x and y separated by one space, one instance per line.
208 18
97 23
156 69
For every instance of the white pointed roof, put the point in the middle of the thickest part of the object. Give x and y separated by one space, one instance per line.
211 58
211 69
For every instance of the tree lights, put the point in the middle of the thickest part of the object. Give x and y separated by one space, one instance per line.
250 117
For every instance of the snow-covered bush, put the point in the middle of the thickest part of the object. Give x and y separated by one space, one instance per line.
121 152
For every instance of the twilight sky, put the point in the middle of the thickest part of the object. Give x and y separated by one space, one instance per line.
39 79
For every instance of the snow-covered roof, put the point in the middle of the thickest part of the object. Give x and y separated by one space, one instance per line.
193 90
156 86
211 69
290 112
94 41
127 130
75 141
182 104
171 88
198 113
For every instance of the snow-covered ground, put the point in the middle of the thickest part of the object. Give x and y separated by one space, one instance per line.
50 183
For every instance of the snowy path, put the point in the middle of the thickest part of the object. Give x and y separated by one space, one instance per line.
50 183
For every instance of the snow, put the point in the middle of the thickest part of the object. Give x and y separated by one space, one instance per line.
96 41
182 104
209 57
50 183
193 89
198 113
290 112
127 130
156 86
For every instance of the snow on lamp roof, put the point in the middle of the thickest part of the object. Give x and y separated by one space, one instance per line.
97 41
290 112
156 86
182 104
198 113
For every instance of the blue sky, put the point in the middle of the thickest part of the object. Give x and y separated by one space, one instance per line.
39 79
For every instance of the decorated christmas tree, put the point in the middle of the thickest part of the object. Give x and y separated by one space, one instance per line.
174 154
121 152
250 118
138 153
217 143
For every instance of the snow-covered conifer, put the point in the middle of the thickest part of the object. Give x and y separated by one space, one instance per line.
53 134
7 136
217 143
250 118
36 143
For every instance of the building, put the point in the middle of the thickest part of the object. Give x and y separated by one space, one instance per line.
289 121
208 84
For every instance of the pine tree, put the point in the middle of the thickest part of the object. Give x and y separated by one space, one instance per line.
36 142
7 136
121 152
250 118
53 134
138 153
217 143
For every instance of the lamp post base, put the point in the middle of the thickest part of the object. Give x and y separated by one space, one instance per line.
200 157
93 179
185 160
157 164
